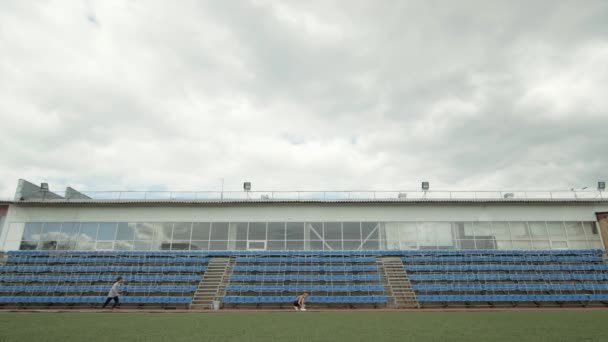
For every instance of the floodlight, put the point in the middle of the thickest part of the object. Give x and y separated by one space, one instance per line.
44 186
425 186
601 186
247 186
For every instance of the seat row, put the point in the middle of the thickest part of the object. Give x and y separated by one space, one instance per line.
344 260
91 300
503 267
97 288
101 269
498 258
316 268
510 287
505 276
302 288
319 253
109 260
514 298
310 299
301 277
96 278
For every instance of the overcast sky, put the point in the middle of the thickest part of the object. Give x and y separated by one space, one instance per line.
106 95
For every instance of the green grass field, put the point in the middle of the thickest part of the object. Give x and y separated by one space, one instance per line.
310 326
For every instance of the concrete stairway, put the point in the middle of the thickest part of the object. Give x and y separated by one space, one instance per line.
396 283
213 285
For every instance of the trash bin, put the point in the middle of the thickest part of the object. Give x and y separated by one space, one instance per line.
216 305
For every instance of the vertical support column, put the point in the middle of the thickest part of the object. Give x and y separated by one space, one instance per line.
602 219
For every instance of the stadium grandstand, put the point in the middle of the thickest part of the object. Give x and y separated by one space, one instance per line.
348 249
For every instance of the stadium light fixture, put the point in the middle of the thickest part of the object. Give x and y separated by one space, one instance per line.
44 187
247 186
601 186
425 186
402 195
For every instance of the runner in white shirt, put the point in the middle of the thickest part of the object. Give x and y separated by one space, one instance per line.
113 294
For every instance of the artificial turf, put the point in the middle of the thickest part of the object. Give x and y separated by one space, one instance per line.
307 326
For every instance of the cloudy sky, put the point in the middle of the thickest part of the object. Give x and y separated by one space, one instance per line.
106 95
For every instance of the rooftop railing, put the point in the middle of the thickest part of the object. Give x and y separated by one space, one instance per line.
404 195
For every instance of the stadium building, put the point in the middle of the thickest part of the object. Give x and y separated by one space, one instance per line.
248 249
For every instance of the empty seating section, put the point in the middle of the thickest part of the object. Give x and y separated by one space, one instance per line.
275 278
39 278
481 278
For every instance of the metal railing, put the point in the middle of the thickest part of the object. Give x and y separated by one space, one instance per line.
404 195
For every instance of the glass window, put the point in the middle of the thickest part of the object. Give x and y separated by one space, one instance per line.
51 231
408 231
85 245
241 230
257 231
559 244
88 232
444 234
32 232
145 231
590 229
219 231
575 229
123 245
482 229
427 234
540 244
200 245
467 229
216 245
200 231
276 245
180 245
500 230
335 245
295 231
538 230
351 245
466 243
316 245
48 245
240 245
104 245
578 244
28 245
125 232
522 244
182 230
332 231
484 243
504 244
276 231
556 230
142 245
519 230
165 232
107 231
369 231
66 245
595 244
371 245
69 230
294 245
351 231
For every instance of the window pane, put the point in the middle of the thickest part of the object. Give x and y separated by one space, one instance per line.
538 230
47 245
104 245
504 244
351 231
295 231
142 245
145 231
540 244
51 231
332 231
369 231
522 244
334 244
32 232
315 229
519 230
590 229
500 230
219 231
219 245
28 245
444 234
66 245
484 244
482 229
240 245
427 234
578 244
556 230
126 231
107 231
276 245
351 245
200 231
182 230
371 245
276 231
316 245
69 230
294 245
200 245
88 232
257 231
180 245
85 245
466 244
575 229
165 232
123 245
559 244
241 230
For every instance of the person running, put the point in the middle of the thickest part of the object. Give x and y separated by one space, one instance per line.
300 303
113 294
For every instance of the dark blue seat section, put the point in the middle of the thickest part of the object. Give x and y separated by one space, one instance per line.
504 276
108 260
515 298
315 268
500 258
92 300
101 269
97 278
301 288
311 299
97 288
506 267
301 277
345 260
509 287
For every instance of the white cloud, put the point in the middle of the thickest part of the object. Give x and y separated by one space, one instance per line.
292 95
